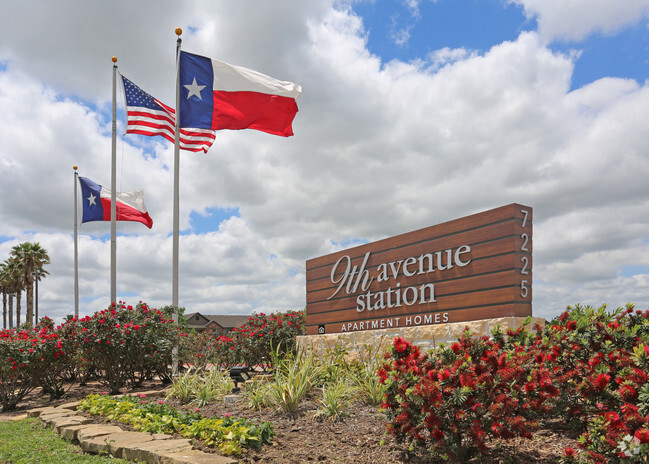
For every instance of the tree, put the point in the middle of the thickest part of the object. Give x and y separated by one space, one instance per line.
31 257
4 289
15 285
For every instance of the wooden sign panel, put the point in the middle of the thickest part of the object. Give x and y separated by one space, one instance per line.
475 267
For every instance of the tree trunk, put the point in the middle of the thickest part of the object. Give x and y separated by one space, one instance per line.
4 310
18 297
11 310
29 317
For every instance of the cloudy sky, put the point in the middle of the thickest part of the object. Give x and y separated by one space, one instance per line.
413 113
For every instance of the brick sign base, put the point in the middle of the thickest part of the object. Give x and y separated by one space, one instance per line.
360 345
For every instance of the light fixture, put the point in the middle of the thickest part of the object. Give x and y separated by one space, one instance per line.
238 374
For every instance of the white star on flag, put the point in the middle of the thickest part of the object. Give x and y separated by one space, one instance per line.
194 89
91 200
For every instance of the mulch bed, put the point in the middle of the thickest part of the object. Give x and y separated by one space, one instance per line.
358 438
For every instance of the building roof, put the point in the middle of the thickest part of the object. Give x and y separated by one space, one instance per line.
198 320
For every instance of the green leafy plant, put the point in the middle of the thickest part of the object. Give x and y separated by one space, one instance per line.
336 399
294 378
255 392
212 386
367 383
203 387
183 386
230 434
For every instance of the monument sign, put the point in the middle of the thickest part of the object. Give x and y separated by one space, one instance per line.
472 268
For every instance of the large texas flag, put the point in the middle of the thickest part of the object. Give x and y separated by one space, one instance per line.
97 201
216 95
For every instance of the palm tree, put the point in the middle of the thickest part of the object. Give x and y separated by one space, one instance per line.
4 289
14 286
32 257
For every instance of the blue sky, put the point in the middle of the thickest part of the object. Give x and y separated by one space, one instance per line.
395 31
413 113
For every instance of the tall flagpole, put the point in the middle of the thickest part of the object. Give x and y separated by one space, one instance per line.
176 207
76 248
113 196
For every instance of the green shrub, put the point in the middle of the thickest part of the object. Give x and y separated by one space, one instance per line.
264 334
255 392
228 433
294 378
336 399
127 345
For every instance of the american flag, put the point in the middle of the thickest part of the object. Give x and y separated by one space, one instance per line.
148 116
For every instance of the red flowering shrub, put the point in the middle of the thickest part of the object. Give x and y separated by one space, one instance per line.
452 400
51 368
30 357
599 361
200 349
590 366
263 334
127 345
226 352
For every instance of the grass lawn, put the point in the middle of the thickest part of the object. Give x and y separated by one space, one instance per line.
27 442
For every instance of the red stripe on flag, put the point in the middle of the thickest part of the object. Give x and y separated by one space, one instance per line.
273 114
126 213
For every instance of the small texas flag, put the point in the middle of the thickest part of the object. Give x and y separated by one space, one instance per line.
97 204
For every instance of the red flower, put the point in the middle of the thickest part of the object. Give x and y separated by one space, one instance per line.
530 387
642 435
601 381
400 345
627 392
569 452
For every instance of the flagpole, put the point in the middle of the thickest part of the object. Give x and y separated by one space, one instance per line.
113 195
76 248
176 207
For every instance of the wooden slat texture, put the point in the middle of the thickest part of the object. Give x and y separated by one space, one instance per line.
506 295
439 230
491 256
497 245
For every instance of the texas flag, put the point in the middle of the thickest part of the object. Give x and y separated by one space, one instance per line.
216 95
97 201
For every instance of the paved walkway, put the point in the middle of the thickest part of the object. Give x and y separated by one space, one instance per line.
110 439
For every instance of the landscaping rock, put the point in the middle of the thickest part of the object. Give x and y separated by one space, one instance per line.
90 431
49 418
71 405
194 457
69 432
120 440
149 451
66 421
96 445
37 412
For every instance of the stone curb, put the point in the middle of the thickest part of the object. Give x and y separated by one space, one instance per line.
110 439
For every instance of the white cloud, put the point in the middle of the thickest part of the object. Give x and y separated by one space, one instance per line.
447 55
576 19
380 149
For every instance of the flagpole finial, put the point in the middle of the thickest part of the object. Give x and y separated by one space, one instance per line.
75 167
179 31
114 59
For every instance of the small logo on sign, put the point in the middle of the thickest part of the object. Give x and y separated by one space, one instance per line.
321 329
